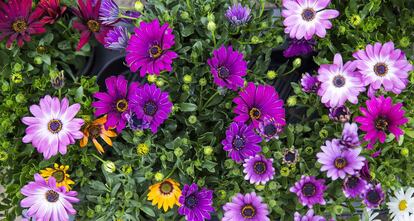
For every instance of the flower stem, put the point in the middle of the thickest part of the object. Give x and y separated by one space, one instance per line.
100 159
127 17
172 171
213 34
211 98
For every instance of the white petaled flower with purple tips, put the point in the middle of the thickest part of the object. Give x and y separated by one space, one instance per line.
258 169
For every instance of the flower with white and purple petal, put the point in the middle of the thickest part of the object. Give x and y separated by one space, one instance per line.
300 47
373 196
117 38
109 12
241 141
196 204
309 191
383 65
238 15
258 169
310 84
340 114
309 216
339 82
354 186
269 129
290 156
305 18
246 207
136 123
349 137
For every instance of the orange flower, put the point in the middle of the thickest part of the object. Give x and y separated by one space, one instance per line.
94 130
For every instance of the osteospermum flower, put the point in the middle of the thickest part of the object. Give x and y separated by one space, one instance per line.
59 172
258 169
354 186
402 204
254 103
165 194
196 204
151 105
115 102
136 123
88 22
241 141
290 156
383 65
380 117
309 191
149 48
53 126
299 48
310 84
95 130
238 15
117 38
349 137
228 67
309 216
373 196
340 114
339 161
269 129
246 207
17 22
339 82
50 10
305 18
109 12
46 201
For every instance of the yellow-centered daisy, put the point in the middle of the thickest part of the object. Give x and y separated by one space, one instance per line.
165 194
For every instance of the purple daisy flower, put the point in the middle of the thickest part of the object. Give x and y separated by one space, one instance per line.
246 207
310 84
228 68
365 171
305 18
354 186
379 118
350 137
339 161
339 82
254 103
196 204
241 141
117 38
151 105
238 15
269 129
258 169
136 123
373 196
115 102
299 47
340 114
109 12
53 126
310 216
46 201
382 65
148 49
309 191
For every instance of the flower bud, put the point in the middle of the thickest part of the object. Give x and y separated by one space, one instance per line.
190 171
227 105
255 40
151 78
16 78
211 26
210 17
90 213
325 118
341 29
142 149
127 169
338 209
222 194
297 62
3 155
185 15
228 164
323 133
355 20
5 86
273 185
158 176
272 203
200 182
138 133
271 74
159 83
259 187
292 101
20 98
405 151
58 80
279 39
265 149
38 60
148 175
187 78
202 82
178 152
192 119
284 171
109 166
404 42
208 150
186 87
17 67
139 6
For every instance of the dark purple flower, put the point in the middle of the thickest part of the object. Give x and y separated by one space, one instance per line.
299 48
269 129
151 105
228 68
310 216
350 137
310 84
136 123
309 191
373 196
258 169
340 114
238 15
354 186
115 102
246 207
117 38
241 141
109 12
365 171
255 103
196 204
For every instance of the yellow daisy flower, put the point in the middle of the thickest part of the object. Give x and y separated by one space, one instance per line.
165 194
60 174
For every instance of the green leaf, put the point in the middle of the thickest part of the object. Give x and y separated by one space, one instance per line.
148 211
188 107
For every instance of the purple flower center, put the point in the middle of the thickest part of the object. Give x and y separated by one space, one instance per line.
54 126
52 196
381 69
166 187
238 143
255 113
290 157
94 131
93 25
59 175
248 211
121 105
150 108
223 72
373 197
19 25
270 130
340 163
259 167
338 81
381 124
191 201
155 51
352 182
308 14
309 189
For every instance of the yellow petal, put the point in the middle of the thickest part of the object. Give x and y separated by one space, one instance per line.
98 146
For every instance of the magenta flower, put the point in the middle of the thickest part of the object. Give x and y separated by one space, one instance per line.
382 65
354 186
254 103
305 18
373 196
115 102
310 84
299 48
309 191
258 169
151 105
18 22
246 207
149 48
339 82
380 117
50 10
196 204
309 216
46 201
53 126
241 141
228 68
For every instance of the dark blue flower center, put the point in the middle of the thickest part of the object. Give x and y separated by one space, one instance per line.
191 201
352 182
248 211
150 108
166 187
338 81
223 72
381 124
255 113
93 25
340 163
52 196
373 197
309 189
121 105
19 26
238 143
381 69
290 157
55 126
155 51
308 14
259 167
270 130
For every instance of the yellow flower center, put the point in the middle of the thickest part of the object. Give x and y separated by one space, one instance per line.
19 25
155 51
402 205
122 105
93 25
255 113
